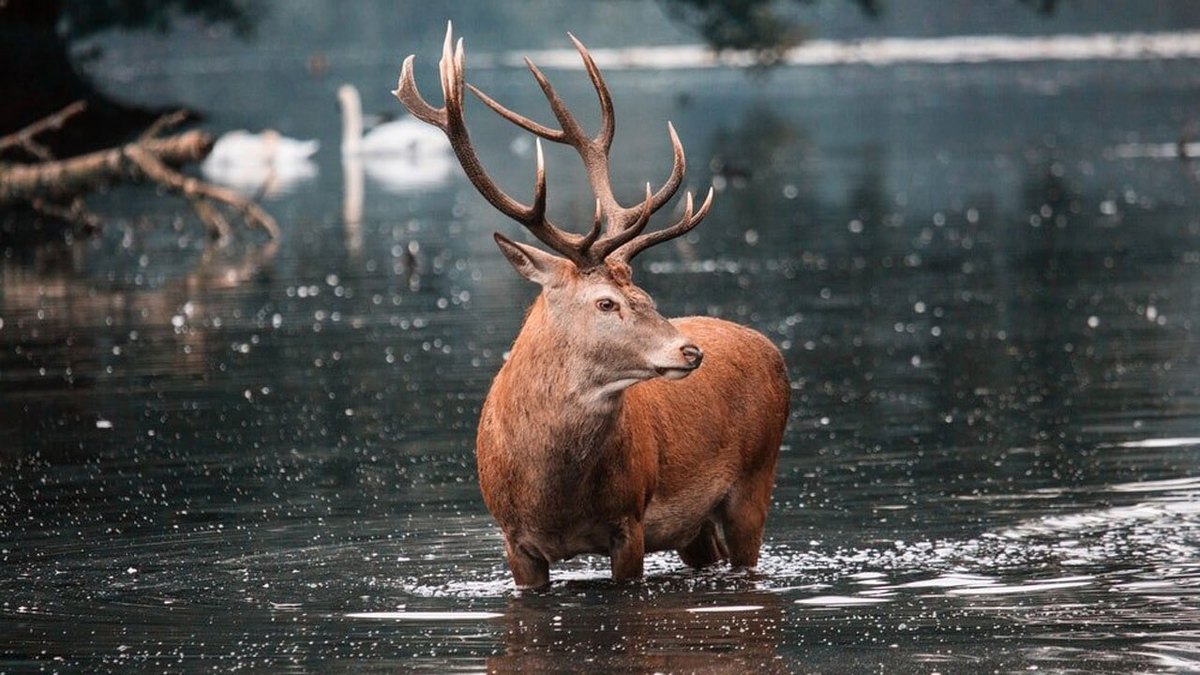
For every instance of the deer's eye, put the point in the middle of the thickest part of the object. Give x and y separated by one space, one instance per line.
607 305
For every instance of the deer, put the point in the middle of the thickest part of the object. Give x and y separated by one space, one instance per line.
601 432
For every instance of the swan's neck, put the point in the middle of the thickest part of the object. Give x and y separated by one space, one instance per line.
352 124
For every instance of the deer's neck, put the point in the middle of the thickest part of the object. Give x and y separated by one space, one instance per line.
552 397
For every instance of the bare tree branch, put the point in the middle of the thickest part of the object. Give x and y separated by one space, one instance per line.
75 213
24 138
164 123
48 185
65 179
194 188
213 219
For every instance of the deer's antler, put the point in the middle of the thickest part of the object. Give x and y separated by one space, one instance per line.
623 235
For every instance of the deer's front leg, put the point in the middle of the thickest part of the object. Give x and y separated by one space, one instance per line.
627 550
528 571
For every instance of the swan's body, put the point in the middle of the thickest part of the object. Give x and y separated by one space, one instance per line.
401 155
268 147
405 136
267 161
398 173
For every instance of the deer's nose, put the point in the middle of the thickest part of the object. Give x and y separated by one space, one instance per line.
693 355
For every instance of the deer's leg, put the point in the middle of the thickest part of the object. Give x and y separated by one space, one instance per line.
744 515
627 550
705 549
528 571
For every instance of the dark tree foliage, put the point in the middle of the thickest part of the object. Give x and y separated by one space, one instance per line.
764 26
38 76
757 25
1042 6
84 17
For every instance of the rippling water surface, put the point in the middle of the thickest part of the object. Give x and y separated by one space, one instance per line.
262 457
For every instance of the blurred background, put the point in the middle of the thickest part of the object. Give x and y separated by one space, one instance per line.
971 227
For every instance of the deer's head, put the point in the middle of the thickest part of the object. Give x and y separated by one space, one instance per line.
590 302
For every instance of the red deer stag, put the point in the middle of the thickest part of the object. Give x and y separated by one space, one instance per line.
602 433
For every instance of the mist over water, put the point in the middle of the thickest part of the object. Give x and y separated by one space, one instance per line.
260 457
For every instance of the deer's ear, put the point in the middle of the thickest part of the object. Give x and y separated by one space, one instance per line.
534 264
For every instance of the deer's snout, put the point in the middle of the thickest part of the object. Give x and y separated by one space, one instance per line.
693 355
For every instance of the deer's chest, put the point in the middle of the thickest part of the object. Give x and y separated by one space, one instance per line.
561 508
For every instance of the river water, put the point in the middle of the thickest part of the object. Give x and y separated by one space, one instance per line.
983 278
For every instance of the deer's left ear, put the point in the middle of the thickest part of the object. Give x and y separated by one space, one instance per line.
534 264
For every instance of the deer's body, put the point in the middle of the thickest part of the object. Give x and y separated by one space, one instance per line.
602 433
565 475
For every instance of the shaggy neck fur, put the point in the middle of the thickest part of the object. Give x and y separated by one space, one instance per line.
555 397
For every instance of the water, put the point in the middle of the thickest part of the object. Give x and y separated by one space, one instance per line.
261 457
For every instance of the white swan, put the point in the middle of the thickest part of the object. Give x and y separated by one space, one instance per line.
401 155
407 135
266 162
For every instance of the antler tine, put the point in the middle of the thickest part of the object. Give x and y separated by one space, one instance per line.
540 227
629 222
409 97
621 237
572 132
594 233
518 119
678 169
451 121
604 137
447 71
635 246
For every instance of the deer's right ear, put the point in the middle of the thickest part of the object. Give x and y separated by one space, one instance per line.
534 264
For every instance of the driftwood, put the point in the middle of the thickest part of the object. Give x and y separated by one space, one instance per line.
56 187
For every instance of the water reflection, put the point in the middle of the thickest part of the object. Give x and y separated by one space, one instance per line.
67 341
396 174
655 631
401 157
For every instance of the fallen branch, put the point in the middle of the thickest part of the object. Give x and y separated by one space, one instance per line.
24 139
168 121
67 178
55 187
196 189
